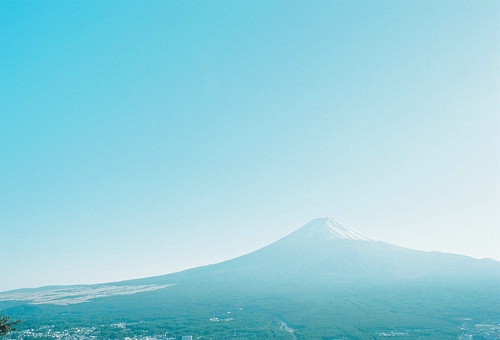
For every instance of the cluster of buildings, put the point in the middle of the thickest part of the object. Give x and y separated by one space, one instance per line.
76 333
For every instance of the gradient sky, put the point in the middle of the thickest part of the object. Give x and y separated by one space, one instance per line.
140 138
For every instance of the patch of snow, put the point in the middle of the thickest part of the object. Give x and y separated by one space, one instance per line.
73 295
326 228
339 230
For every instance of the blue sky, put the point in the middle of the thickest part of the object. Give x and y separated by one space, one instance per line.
140 138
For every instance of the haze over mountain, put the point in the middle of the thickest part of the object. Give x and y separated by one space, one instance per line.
157 133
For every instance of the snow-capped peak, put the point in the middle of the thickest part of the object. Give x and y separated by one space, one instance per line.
339 230
331 229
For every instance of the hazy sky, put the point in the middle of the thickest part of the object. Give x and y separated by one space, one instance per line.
140 138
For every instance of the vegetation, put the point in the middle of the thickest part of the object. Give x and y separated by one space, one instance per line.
6 325
436 310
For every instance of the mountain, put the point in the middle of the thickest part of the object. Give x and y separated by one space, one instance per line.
323 281
326 251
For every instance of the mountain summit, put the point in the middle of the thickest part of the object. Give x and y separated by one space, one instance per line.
326 228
